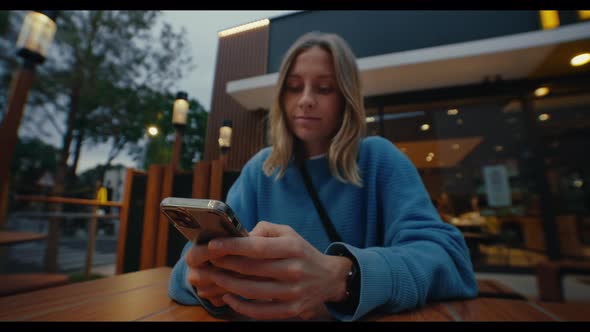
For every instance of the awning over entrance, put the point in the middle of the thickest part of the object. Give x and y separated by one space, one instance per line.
531 54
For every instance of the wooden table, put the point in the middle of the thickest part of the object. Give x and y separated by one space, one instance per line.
142 296
12 237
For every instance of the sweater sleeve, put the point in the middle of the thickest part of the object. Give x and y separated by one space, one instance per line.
241 199
422 258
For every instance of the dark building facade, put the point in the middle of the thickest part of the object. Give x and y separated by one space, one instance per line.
492 107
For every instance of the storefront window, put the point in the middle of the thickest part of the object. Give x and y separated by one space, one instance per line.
564 124
473 158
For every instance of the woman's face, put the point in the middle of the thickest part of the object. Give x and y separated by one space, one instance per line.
312 100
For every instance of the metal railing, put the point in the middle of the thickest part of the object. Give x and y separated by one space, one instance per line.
55 218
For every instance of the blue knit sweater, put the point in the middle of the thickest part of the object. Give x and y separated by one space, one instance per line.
406 254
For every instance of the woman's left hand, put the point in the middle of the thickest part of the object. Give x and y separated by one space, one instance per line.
280 273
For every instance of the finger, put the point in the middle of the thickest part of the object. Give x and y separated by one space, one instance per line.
256 289
279 269
210 291
201 276
262 310
267 229
216 301
257 247
197 255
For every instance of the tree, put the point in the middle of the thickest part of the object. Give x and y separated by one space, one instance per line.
7 57
4 21
158 149
32 159
102 67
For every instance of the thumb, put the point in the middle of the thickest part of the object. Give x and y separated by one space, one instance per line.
267 229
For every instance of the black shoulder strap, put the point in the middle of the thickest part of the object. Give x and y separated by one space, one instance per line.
328 226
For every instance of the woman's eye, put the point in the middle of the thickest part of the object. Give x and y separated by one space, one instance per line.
293 88
325 89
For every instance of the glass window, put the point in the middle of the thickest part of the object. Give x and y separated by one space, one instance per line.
473 159
564 123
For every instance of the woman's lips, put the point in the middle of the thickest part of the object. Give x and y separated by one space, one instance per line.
306 120
310 118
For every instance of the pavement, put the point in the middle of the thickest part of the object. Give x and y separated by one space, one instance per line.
71 257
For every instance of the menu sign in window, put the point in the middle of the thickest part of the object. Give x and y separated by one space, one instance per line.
497 186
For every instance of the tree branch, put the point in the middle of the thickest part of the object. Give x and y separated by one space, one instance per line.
51 119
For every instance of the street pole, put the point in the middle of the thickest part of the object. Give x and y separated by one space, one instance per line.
21 83
177 148
33 42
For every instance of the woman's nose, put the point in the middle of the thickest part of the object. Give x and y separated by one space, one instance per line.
307 100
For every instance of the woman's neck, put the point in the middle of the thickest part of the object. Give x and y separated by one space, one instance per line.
311 151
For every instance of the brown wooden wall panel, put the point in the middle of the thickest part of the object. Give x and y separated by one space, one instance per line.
124 218
162 235
123 215
151 216
239 56
201 174
216 180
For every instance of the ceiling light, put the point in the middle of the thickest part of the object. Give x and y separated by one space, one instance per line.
370 119
580 59
542 91
578 183
425 127
453 111
244 27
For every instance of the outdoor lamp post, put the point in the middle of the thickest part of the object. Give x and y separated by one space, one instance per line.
179 116
32 45
224 140
225 132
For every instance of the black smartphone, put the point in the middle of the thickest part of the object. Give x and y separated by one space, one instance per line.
201 220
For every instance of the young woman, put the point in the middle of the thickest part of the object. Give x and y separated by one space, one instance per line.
395 253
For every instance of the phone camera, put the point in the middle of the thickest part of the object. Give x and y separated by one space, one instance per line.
183 219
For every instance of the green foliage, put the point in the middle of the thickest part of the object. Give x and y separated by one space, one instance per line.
4 21
108 75
102 72
32 158
158 149
8 61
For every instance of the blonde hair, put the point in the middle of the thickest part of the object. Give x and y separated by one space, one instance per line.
343 150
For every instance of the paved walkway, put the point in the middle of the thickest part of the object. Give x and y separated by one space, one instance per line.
71 257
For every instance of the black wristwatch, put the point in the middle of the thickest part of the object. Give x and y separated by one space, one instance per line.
353 287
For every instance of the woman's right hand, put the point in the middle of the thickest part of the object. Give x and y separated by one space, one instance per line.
200 272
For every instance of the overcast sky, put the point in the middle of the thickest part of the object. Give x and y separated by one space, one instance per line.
202 28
